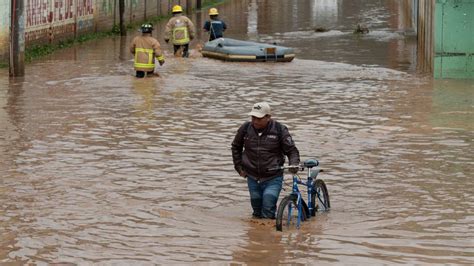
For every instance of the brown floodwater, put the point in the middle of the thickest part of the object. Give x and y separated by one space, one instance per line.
100 167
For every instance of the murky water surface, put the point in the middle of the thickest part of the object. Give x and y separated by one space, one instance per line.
99 167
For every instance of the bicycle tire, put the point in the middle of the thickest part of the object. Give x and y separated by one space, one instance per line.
319 197
284 219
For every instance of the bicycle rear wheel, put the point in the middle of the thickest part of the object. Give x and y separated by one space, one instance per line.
287 213
319 197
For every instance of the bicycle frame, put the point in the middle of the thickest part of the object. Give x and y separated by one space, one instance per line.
295 191
316 190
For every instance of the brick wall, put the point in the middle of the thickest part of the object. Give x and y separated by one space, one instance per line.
48 21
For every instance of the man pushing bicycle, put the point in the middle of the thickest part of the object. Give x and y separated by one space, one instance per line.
259 145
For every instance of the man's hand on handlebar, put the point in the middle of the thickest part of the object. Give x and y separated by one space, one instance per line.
293 170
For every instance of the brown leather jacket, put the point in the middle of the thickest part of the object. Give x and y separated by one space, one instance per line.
146 41
256 154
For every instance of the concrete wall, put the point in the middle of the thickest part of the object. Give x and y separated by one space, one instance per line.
454 39
49 21
4 29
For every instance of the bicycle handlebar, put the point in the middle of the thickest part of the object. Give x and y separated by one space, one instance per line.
310 163
286 167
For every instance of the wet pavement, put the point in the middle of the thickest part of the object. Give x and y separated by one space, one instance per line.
100 167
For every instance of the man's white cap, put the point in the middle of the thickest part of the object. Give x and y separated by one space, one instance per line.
260 110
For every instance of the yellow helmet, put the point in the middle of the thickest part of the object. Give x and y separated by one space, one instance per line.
177 9
213 11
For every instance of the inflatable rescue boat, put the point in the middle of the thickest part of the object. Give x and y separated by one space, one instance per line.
234 50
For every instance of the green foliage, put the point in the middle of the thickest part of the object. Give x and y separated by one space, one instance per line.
154 20
40 50
159 18
115 29
209 3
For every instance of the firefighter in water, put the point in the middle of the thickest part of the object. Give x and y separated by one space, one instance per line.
215 26
145 48
180 30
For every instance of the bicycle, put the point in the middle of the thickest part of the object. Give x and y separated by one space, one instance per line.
292 209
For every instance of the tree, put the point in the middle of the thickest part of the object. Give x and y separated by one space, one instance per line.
123 30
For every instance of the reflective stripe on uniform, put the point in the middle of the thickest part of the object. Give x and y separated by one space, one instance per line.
149 53
138 65
184 40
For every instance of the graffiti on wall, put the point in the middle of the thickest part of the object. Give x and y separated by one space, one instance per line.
85 13
85 8
37 13
47 18
63 10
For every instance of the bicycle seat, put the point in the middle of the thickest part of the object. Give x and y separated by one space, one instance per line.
310 163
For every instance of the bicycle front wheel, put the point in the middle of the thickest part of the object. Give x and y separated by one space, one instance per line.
319 197
287 213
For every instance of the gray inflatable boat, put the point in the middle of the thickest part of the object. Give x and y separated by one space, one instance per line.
234 50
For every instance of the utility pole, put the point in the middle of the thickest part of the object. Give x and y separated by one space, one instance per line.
17 39
123 30
189 6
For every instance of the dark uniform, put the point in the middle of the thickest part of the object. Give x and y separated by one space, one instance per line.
216 28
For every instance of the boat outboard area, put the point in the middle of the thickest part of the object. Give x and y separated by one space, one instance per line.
245 51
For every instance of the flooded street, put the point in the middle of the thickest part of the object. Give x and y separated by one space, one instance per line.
100 167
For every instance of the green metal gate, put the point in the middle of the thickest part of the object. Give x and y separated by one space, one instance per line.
454 39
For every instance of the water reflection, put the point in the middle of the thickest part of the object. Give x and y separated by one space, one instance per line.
146 89
324 12
453 102
99 167
12 120
263 244
11 136
252 23
124 49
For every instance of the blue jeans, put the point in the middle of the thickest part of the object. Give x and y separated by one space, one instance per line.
264 196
